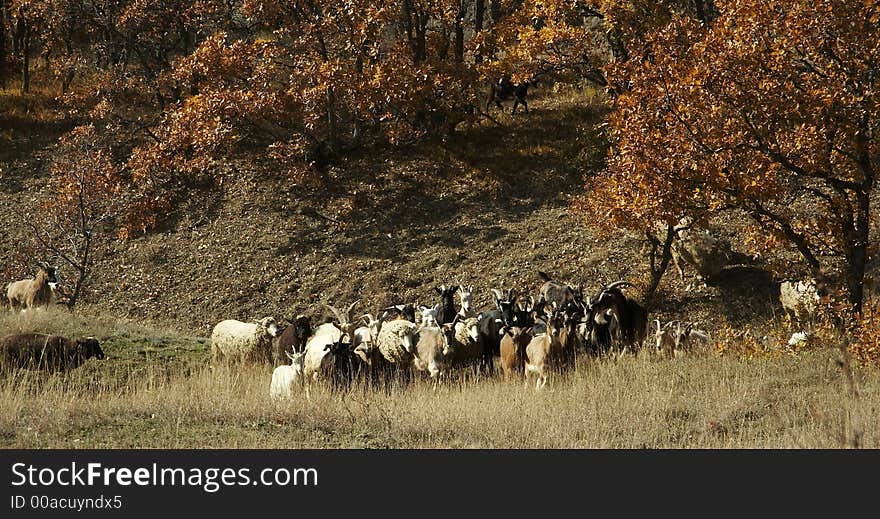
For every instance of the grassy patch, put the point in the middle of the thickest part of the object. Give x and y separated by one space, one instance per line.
170 397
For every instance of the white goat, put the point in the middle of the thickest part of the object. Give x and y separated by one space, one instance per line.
800 300
429 315
431 351
316 359
287 377
466 295
676 338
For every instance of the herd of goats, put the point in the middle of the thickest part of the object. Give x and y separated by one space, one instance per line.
531 336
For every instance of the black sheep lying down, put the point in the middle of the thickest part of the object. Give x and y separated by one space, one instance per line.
39 351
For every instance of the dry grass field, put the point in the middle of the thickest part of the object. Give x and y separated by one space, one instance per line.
156 389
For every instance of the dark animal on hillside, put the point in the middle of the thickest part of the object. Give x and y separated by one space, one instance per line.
491 324
347 365
292 339
603 331
505 90
31 293
559 293
447 303
611 305
53 353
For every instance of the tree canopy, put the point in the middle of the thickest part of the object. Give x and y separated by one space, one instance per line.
770 109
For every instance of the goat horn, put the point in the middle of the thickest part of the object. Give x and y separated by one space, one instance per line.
337 313
618 284
498 294
348 312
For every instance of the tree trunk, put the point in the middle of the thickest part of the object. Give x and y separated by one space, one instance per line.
495 10
479 11
415 24
20 45
2 43
25 63
657 271
858 253
82 274
705 10
459 32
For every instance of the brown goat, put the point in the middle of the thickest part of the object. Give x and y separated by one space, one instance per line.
513 350
38 351
545 352
292 339
31 293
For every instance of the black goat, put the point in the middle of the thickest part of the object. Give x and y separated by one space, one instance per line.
617 320
447 303
53 353
504 90
491 326
292 339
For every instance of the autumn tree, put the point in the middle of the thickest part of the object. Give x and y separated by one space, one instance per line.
177 85
771 110
77 222
558 38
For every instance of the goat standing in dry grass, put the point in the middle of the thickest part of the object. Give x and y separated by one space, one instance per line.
546 351
513 350
676 339
32 293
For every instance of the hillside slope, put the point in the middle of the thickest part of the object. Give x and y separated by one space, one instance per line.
488 209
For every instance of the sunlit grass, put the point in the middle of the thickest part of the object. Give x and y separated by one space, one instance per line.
173 398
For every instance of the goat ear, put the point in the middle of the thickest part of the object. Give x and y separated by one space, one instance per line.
440 289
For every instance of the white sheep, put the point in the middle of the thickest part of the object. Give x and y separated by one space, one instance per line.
467 348
233 340
799 339
396 341
287 377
